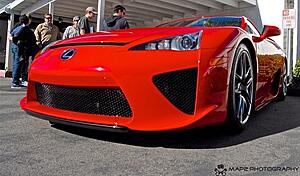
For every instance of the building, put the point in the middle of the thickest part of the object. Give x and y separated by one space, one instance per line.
141 13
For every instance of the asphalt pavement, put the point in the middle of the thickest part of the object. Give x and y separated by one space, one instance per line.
270 145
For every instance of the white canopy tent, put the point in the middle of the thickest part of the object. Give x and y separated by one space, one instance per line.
139 12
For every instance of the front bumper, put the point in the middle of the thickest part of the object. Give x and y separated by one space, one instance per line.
133 74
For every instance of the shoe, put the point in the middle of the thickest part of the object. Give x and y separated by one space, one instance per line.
15 86
24 83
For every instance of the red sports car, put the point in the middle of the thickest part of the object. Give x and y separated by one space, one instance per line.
179 75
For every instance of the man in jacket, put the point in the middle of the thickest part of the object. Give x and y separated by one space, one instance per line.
46 32
24 46
118 21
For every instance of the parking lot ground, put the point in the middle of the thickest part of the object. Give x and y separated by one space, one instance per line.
30 146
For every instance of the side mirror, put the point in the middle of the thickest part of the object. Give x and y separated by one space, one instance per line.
268 31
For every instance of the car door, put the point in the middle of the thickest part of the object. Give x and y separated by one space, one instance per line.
270 59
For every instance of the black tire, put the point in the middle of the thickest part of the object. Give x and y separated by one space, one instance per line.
284 84
241 92
52 123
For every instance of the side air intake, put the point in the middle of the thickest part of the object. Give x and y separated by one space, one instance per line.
179 87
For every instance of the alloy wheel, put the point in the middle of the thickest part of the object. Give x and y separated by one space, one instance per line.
243 87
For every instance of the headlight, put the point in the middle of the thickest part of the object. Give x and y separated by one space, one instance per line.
186 42
48 46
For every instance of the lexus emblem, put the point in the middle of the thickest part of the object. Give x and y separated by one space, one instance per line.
67 54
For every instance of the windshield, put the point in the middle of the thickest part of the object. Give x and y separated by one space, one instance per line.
205 22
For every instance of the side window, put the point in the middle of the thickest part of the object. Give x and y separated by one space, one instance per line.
251 29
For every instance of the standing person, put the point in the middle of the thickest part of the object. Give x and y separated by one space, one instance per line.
27 48
46 33
72 31
18 60
84 23
118 21
16 65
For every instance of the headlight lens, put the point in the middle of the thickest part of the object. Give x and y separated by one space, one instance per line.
186 42
48 46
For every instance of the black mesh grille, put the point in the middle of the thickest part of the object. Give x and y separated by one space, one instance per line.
179 88
101 101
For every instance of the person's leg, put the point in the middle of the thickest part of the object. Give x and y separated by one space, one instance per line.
16 65
24 69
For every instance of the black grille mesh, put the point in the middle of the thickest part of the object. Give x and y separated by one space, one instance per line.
100 101
179 88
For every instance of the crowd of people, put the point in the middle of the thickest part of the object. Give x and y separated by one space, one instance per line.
27 42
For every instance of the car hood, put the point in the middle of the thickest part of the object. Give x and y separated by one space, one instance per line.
126 36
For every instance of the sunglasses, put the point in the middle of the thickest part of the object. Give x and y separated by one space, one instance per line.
48 18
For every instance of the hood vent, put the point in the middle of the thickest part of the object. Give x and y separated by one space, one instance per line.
89 44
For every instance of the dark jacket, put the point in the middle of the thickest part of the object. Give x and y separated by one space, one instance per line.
26 42
116 22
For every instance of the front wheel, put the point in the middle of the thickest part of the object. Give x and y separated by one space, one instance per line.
241 90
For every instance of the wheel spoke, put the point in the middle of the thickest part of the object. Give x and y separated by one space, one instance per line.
248 73
244 109
249 82
241 61
248 101
240 108
248 95
246 106
238 78
245 66
238 88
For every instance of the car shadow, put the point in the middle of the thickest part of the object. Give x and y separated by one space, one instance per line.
273 119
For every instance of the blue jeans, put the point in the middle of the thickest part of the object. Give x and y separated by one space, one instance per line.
17 65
